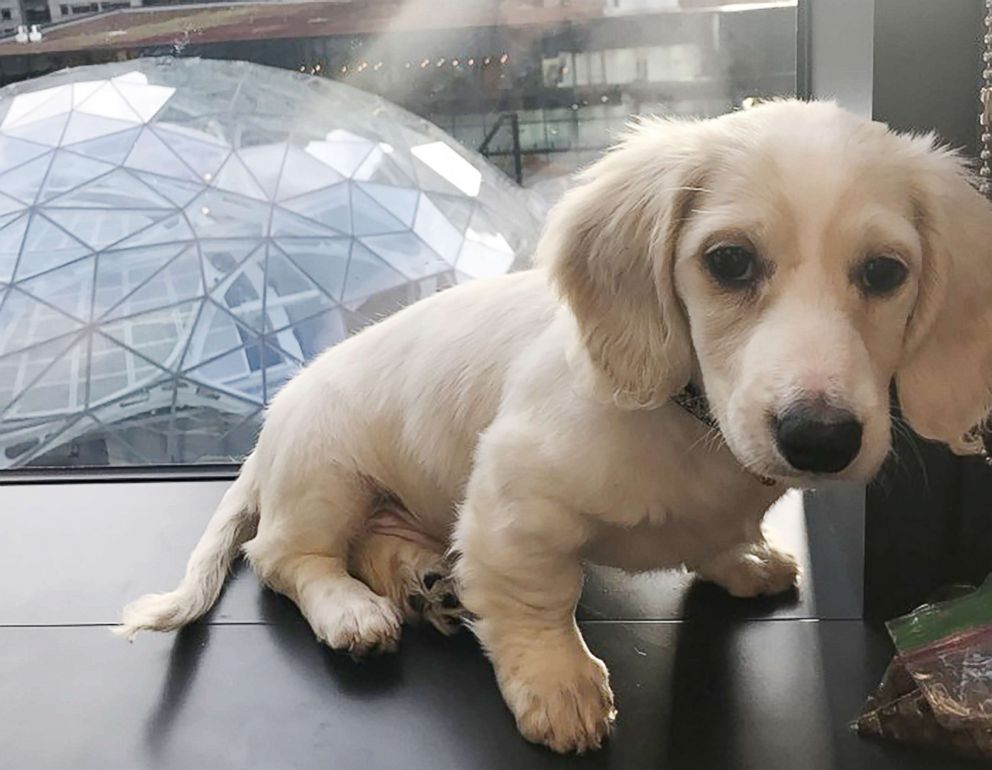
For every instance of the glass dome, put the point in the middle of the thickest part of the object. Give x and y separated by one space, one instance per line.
178 237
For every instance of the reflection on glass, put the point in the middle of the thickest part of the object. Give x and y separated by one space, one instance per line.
450 165
171 273
178 236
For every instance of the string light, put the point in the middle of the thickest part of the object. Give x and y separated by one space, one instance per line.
503 59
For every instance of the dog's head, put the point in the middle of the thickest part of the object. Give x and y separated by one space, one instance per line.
794 260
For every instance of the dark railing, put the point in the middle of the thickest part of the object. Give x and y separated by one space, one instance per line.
486 152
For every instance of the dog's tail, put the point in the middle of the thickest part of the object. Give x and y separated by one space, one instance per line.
233 523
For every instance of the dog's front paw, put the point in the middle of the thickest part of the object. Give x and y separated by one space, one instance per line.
757 569
360 624
567 708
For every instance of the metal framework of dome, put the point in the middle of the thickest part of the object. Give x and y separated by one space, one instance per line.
177 237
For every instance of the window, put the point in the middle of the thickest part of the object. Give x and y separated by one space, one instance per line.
5 14
178 238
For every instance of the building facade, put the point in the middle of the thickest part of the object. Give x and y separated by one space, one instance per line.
61 10
11 16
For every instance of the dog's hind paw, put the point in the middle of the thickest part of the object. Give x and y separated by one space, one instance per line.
434 598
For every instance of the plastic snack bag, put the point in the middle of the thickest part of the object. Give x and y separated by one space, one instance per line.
938 689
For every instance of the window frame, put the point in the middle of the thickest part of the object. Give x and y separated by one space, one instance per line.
222 471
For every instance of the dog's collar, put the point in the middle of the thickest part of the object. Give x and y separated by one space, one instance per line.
694 401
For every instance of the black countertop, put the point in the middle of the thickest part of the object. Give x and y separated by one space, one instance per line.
701 680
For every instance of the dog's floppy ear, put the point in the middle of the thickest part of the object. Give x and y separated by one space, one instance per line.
945 381
609 246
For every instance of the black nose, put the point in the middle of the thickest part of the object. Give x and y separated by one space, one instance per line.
818 437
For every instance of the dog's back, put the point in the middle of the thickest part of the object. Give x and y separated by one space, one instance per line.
420 385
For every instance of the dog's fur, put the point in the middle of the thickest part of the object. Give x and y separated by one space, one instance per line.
527 419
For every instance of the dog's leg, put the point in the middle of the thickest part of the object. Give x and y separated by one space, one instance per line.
414 575
751 569
301 550
519 572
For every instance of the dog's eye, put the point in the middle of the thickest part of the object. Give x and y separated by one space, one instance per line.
882 275
732 265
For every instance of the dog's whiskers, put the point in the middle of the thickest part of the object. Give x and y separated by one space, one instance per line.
714 440
902 428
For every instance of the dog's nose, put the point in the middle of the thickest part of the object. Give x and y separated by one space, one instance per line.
817 437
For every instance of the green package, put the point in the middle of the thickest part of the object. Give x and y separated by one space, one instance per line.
937 691
947 649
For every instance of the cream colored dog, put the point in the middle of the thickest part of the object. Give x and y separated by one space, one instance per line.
791 261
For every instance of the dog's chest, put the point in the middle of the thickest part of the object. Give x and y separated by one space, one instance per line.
660 483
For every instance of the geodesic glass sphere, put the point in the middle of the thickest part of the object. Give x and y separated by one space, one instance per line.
178 237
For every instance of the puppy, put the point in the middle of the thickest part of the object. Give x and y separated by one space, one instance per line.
789 262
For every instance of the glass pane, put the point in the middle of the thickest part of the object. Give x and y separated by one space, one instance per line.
69 171
26 321
16 152
112 148
179 236
368 217
323 261
46 245
82 127
120 272
369 274
68 288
